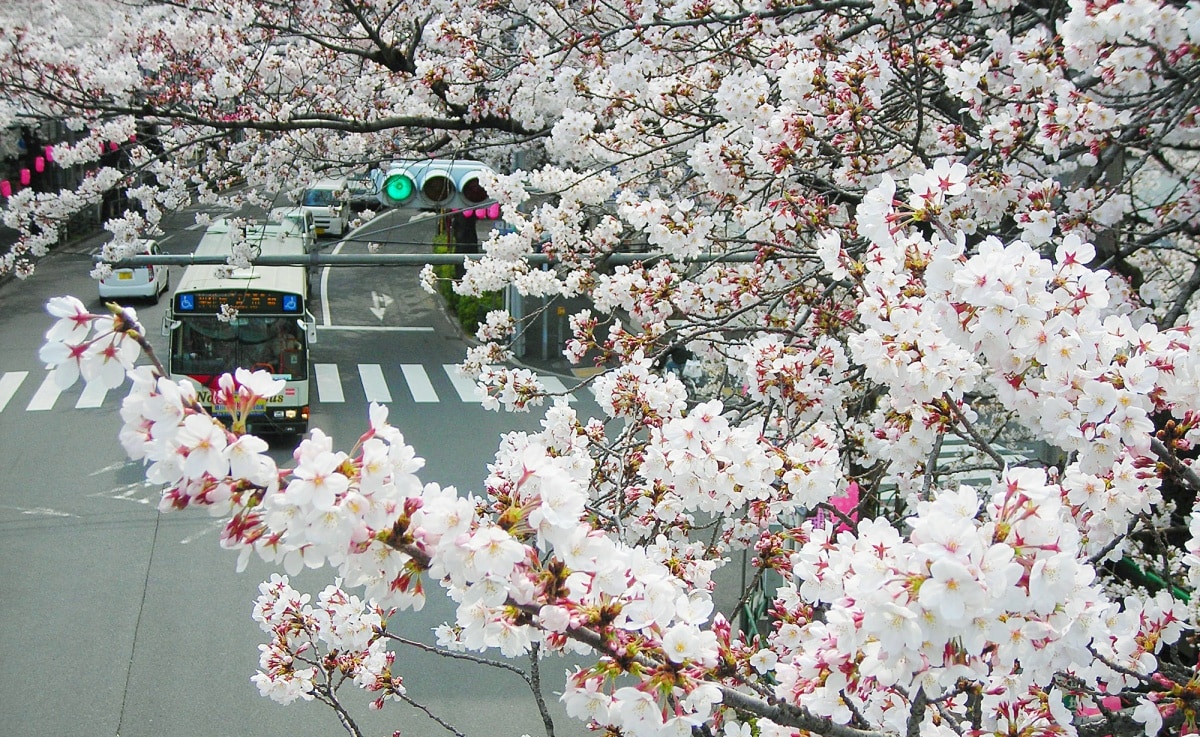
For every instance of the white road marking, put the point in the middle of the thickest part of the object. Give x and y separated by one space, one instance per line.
374 385
379 328
467 389
418 382
135 492
329 382
326 318
112 467
46 394
555 385
327 377
92 396
39 511
9 383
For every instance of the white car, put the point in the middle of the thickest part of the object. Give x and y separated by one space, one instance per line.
329 203
143 282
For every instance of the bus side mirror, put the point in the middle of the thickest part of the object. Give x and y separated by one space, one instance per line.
310 328
168 325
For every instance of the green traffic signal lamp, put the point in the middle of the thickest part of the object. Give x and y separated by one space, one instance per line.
398 189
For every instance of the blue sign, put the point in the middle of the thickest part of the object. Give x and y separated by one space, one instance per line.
291 303
187 302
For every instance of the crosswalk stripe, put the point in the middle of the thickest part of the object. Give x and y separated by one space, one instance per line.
329 382
46 394
327 376
9 384
467 389
92 396
554 385
374 385
418 382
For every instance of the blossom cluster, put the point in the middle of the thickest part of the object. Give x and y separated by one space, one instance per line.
878 227
984 591
337 638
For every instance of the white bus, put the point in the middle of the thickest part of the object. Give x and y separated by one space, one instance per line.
270 329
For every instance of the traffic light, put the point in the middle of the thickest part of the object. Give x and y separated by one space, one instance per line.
441 184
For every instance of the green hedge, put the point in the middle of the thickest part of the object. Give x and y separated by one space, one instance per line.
470 310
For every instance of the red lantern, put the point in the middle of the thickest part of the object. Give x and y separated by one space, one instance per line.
49 153
26 177
39 164
6 188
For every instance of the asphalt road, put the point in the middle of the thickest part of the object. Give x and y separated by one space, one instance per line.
118 620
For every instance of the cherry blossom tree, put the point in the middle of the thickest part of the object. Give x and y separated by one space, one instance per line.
879 228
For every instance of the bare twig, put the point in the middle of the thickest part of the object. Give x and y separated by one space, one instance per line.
442 722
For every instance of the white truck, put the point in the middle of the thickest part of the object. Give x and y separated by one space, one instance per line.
329 202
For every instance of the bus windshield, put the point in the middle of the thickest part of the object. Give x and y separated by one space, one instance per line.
205 346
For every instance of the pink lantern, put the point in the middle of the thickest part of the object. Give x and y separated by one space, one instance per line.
39 164
481 212
49 153
493 211
6 188
468 213
26 177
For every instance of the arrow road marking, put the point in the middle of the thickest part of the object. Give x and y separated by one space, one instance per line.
380 303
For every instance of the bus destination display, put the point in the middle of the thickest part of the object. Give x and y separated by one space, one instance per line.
248 302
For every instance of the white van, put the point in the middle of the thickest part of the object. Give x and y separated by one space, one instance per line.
329 202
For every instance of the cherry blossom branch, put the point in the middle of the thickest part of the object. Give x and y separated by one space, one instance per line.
455 655
790 716
916 713
950 405
1175 464
931 465
778 712
535 685
327 694
1183 297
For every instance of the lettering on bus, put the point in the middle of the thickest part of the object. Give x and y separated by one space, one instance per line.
245 301
206 398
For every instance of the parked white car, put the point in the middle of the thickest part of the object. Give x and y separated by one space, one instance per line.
140 282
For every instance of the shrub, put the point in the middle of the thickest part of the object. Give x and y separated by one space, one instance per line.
469 310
